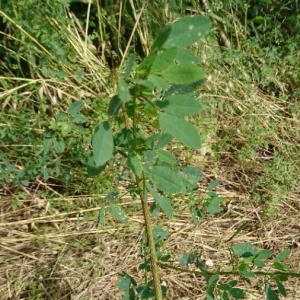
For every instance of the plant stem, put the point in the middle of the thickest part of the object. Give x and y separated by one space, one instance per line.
151 244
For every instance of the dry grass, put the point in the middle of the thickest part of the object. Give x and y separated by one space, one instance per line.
48 254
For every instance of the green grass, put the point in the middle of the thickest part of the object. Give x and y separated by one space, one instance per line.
251 143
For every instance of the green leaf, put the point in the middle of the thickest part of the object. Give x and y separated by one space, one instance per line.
245 271
180 105
225 296
124 283
92 169
114 105
259 263
145 65
186 57
166 157
183 74
245 249
129 64
209 293
118 213
236 293
270 294
213 280
158 82
159 140
134 163
101 215
59 145
280 266
165 179
282 255
76 107
78 118
163 202
280 287
183 32
163 60
213 184
103 144
181 129
263 254
123 94
187 258
213 205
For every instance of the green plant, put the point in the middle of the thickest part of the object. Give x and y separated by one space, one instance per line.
154 101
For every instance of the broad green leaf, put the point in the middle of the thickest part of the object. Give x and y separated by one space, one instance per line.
76 107
114 105
163 202
270 294
166 157
78 118
124 283
129 64
163 60
123 94
181 129
236 293
264 254
59 145
213 205
159 140
145 66
103 144
165 179
179 105
185 56
244 249
213 280
158 82
183 74
259 263
134 163
213 184
118 213
183 32
92 169
187 89
282 255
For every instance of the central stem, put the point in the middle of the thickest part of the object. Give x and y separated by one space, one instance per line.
140 182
